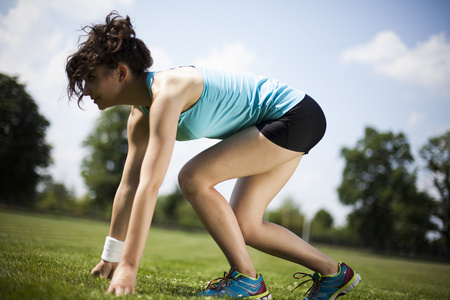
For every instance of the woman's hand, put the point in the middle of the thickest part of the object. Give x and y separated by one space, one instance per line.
104 269
123 282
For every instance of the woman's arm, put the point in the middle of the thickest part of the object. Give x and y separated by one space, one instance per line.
173 91
164 116
138 132
138 135
163 128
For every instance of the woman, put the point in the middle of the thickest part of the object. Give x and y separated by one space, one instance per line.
266 127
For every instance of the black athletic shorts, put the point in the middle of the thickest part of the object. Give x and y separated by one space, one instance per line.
300 129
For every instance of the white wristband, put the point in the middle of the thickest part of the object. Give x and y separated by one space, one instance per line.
112 250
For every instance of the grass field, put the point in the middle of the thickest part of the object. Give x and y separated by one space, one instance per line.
50 257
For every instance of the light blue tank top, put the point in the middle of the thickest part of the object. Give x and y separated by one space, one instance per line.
231 102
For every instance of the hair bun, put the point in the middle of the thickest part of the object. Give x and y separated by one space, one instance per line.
114 32
119 27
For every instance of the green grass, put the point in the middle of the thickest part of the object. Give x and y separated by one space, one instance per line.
50 257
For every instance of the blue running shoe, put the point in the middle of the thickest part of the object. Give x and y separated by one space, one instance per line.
329 287
237 286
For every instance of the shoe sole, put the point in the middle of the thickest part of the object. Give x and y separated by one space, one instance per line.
265 297
257 297
347 289
268 297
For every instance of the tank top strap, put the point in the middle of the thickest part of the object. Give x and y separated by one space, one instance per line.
148 82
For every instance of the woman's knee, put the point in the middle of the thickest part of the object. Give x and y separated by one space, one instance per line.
184 179
190 181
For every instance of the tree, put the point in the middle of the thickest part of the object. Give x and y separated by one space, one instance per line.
322 227
173 209
169 205
379 182
24 152
323 219
437 156
288 216
107 150
412 211
56 197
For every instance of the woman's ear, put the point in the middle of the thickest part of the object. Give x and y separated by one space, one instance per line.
122 71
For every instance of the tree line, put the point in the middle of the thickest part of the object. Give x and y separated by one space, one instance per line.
390 214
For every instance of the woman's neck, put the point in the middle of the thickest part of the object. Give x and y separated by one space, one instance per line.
136 92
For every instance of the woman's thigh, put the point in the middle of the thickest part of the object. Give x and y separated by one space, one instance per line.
246 153
252 194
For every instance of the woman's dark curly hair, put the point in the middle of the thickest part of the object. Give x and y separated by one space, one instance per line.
108 45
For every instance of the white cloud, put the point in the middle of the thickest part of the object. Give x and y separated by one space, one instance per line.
32 33
384 47
416 118
161 61
18 36
426 65
35 39
232 57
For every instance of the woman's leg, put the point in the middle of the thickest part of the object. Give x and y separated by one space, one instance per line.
245 154
249 200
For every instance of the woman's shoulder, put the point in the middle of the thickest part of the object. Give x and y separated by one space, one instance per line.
178 75
183 82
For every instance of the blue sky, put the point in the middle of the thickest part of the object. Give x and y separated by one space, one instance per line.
384 64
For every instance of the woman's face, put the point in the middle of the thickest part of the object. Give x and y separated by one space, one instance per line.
103 86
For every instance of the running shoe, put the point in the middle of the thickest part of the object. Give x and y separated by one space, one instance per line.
329 287
237 286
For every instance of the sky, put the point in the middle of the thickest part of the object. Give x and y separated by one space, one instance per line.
384 64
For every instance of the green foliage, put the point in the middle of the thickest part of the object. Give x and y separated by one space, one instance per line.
107 150
55 197
437 156
288 216
322 229
174 210
50 257
23 149
378 181
169 205
323 220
